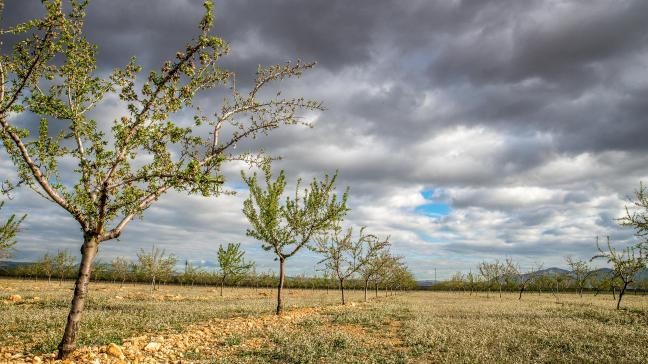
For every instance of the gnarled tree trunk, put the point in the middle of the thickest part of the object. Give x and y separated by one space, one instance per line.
88 253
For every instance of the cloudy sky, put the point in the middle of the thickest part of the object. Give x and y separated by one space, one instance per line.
466 130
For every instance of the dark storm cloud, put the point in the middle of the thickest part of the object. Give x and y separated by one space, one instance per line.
527 117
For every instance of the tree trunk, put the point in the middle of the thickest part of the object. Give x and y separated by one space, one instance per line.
366 286
221 286
88 254
342 290
280 286
621 294
521 291
614 292
376 290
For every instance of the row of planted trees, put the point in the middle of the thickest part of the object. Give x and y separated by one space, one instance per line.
623 273
121 270
106 172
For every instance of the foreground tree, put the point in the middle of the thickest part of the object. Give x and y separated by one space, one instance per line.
626 264
286 228
344 256
231 261
155 265
122 167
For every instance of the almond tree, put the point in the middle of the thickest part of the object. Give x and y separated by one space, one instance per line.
191 273
155 265
120 268
63 263
8 231
286 228
232 263
371 270
344 255
492 273
526 279
580 272
626 264
46 266
121 166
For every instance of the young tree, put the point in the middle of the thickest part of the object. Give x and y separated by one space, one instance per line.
492 273
120 268
625 264
371 270
231 261
528 278
285 229
8 231
344 256
155 265
51 75
100 270
580 272
191 273
63 263
637 216
46 266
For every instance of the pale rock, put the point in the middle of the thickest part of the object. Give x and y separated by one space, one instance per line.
152 347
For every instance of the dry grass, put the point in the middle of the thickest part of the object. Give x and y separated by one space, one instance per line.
196 325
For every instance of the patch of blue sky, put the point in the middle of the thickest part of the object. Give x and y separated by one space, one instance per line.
434 208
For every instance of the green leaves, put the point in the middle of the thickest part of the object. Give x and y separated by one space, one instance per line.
125 165
300 219
231 260
8 231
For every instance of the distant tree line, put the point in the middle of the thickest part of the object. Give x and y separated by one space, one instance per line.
61 266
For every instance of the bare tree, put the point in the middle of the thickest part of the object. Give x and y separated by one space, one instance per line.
232 263
580 272
626 263
492 273
528 278
155 265
285 229
344 255
119 167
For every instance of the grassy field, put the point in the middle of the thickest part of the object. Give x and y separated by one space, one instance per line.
197 325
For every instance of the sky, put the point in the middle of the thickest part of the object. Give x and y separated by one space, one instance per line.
466 130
